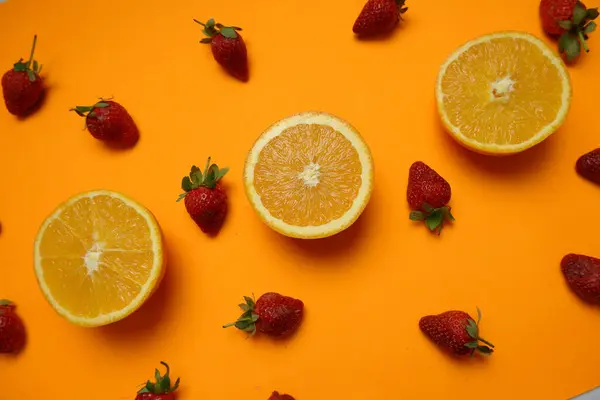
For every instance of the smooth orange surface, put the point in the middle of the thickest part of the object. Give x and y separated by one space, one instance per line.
364 289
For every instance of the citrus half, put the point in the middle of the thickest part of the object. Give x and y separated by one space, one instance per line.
503 93
309 175
98 257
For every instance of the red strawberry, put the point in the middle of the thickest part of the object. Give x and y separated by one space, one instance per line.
22 86
572 21
110 122
456 331
205 197
277 396
228 48
12 331
161 389
588 166
582 274
272 314
428 195
378 17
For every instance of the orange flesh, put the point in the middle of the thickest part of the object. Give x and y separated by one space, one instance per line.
96 256
503 91
309 175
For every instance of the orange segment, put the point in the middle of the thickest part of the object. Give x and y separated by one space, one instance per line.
98 257
503 93
309 175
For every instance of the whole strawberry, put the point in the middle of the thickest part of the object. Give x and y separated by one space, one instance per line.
582 274
228 48
22 86
428 195
456 331
159 390
572 21
109 122
277 396
205 197
272 314
12 330
378 17
588 166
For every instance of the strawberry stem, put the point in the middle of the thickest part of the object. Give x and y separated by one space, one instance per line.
486 342
583 41
32 51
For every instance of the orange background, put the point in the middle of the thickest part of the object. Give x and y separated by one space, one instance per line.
365 289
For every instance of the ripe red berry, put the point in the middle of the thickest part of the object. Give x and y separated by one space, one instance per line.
272 314
588 166
228 48
205 197
428 195
277 396
582 274
22 86
456 332
12 330
378 17
109 122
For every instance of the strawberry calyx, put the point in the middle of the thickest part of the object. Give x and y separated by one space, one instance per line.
401 7
577 30
212 29
162 384
31 67
88 111
247 321
472 328
434 217
212 174
6 305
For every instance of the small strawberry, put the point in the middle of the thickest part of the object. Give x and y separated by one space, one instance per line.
572 21
22 86
228 48
12 330
428 195
205 197
272 314
277 396
109 122
582 274
588 166
378 17
159 390
456 331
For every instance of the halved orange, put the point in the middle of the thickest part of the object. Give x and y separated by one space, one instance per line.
309 175
98 257
503 93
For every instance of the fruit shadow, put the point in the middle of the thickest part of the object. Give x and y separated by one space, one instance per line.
344 242
527 162
142 323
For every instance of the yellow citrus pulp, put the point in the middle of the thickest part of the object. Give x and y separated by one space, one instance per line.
503 93
98 257
309 175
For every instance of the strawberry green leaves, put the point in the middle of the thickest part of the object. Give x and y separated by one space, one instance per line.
577 30
31 67
88 111
162 384
472 328
247 321
212 174
211 29
434 217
